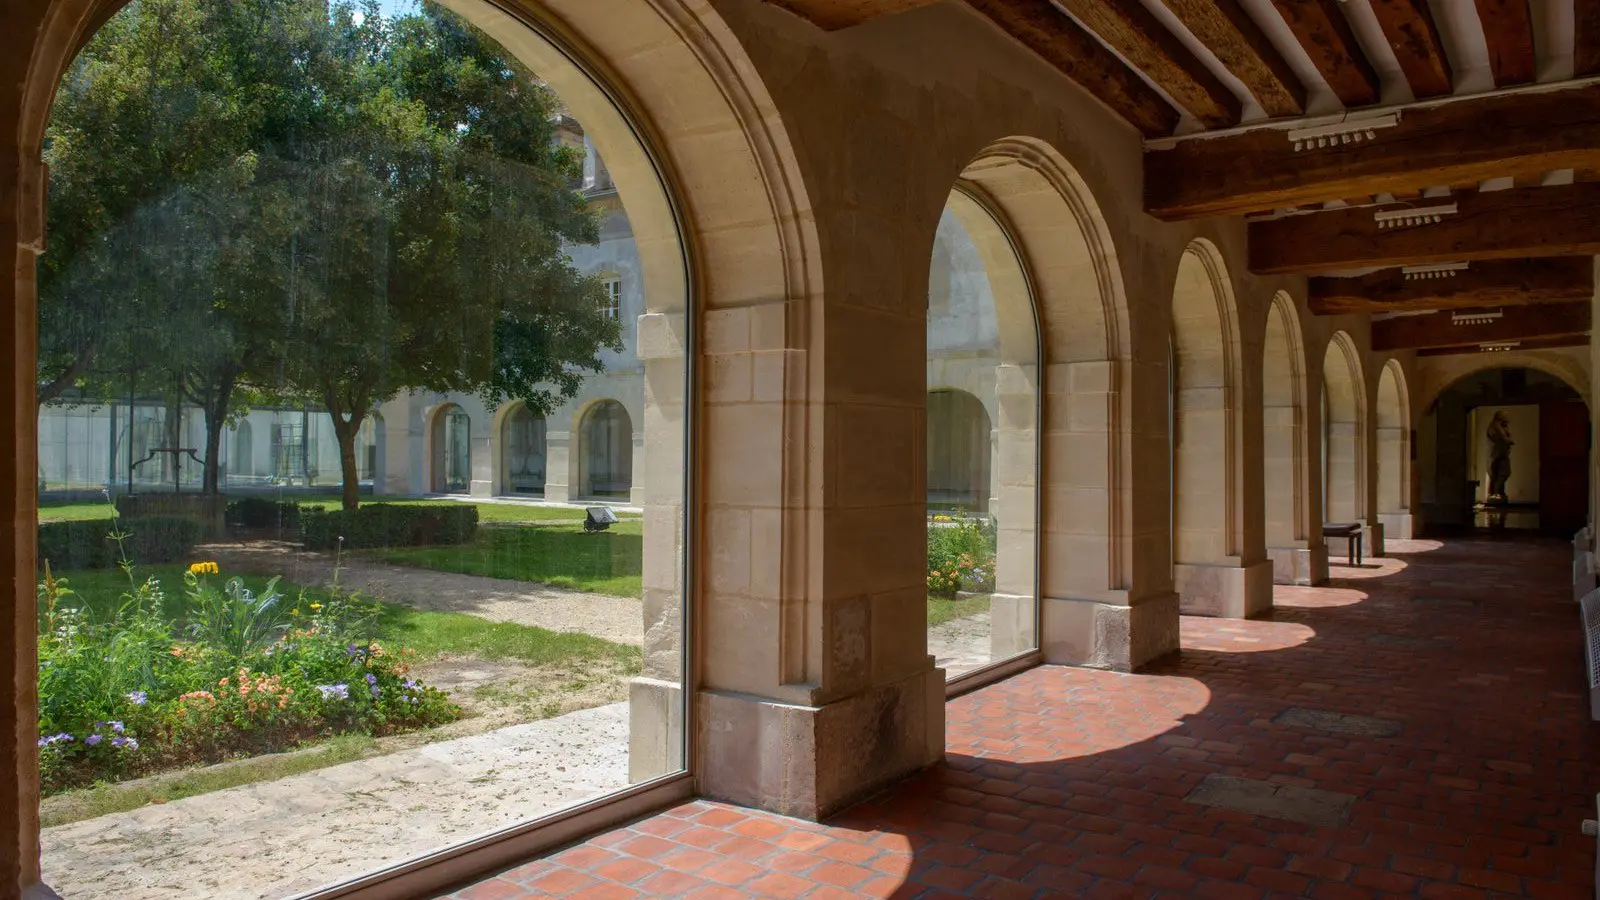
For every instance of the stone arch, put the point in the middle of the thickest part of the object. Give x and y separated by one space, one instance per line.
519 451
671 99
243 460
1290 533
605 451
1065 348
1438 373
1208 569
1344 417
1394 452
449 443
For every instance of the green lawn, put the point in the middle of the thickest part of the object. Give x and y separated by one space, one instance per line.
430 634
487 512
66 512
942 611
610 562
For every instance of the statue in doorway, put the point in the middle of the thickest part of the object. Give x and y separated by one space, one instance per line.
1500 444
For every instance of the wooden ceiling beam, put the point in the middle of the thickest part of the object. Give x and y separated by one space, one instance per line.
1130 29
1524 222
1549 343
1508 30
1442 329
1465 141
1325 34
1412 34
1586 38
1243 49
1042 28
1513 282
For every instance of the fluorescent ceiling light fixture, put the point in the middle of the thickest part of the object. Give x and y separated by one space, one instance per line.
1438 270
1338 134
1426 215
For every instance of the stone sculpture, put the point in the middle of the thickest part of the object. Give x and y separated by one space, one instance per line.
1500 444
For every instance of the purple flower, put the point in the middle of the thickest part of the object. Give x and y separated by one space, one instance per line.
139 698
124 743
371 678
409 684
54 739
375 691
339 691
115 726
94 740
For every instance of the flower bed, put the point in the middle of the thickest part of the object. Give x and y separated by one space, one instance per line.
961 556
243 673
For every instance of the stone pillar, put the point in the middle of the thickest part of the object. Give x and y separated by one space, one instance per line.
818 689
655 698
1012 606
1294 541
480 446
1394 512
403 449
557 468
1099 608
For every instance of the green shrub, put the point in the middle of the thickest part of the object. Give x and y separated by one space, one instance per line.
264 512
88 544
133 693
388 525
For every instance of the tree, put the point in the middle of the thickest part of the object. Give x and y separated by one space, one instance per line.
436 215
314 202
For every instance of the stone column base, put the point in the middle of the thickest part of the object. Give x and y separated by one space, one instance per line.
1109 635
1299 565
1375 535
1228 592
655 728
809 761
1011 626
1398 526
479 488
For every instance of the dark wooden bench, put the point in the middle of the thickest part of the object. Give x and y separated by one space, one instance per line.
1352 532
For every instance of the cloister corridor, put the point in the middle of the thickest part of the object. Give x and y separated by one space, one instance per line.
1070 782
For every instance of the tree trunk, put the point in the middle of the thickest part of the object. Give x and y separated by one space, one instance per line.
214 404
347 430
58 385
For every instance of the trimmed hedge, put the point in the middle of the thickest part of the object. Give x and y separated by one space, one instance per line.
387 525
86 544
264 512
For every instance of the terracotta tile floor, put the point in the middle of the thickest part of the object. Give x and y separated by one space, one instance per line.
1071 783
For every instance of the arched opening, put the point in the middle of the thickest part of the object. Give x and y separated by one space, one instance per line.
1343 448
450 451
959 436
1394 453
1290 539
606 452
643 562
1209 572
523 453
243 463
1505 448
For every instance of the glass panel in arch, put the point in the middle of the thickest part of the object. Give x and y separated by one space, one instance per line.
360 534
981 446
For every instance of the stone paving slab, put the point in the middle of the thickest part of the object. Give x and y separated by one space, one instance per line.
1307 806
1337 722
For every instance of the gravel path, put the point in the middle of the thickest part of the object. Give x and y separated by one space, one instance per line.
276 838
618 619
960 645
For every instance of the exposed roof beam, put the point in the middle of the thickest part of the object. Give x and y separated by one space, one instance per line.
1325 34
1062 43
1508 30
1135 33
1414 37
1243 49
1444 329
1482 284
1522 134
1571 340
1524 222
1586 37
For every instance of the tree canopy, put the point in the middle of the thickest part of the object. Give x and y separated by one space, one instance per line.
319 203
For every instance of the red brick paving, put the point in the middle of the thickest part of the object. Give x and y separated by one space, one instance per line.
1070 783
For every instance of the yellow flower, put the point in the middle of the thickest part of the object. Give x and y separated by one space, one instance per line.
203 568
316 606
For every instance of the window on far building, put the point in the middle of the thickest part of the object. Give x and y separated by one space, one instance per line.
612 305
